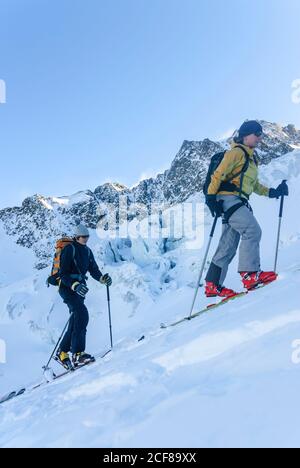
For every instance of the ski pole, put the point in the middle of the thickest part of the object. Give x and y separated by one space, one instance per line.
109 315
204 261
279 228
59 340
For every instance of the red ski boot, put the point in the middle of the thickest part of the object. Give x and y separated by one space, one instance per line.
212 290
252 280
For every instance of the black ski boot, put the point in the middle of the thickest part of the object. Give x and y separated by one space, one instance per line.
81 359
64 359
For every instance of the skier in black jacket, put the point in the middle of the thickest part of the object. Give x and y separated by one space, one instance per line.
76 260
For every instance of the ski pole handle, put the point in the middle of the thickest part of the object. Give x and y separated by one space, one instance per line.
217 216
279 228
282 202
212 232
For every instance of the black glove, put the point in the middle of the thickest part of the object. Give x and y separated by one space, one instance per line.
106 279
214 206
80 289
281 190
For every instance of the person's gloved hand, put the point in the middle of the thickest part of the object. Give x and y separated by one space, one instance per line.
80 289
214 206
106 279
281 190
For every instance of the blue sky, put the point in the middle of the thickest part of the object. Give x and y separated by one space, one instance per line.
102 90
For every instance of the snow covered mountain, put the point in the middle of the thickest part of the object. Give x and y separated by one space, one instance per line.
225 379
40 220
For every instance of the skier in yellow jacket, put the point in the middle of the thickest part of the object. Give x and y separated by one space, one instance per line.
228 193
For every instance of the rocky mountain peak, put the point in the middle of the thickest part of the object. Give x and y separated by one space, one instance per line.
40 220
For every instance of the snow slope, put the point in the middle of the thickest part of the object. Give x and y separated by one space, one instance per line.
224 379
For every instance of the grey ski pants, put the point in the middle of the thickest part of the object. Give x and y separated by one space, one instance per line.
242 226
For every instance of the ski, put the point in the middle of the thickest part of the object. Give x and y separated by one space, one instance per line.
7 397
55 377
202 311
68 367
212 307
73 369
11 395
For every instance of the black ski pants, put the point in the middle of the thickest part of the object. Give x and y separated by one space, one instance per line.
75 336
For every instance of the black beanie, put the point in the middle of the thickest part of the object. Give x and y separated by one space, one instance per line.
249 127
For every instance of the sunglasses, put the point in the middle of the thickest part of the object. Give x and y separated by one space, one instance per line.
258 134
84 237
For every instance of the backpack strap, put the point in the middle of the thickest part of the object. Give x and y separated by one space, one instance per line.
245 167
256 158
75 261
241 173
244 170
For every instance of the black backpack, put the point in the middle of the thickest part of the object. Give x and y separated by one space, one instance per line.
227 186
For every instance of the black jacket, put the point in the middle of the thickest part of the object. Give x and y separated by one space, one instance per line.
84 263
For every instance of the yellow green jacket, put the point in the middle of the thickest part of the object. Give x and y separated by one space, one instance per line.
233 162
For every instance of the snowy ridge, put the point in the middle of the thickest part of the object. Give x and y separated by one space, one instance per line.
40 220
